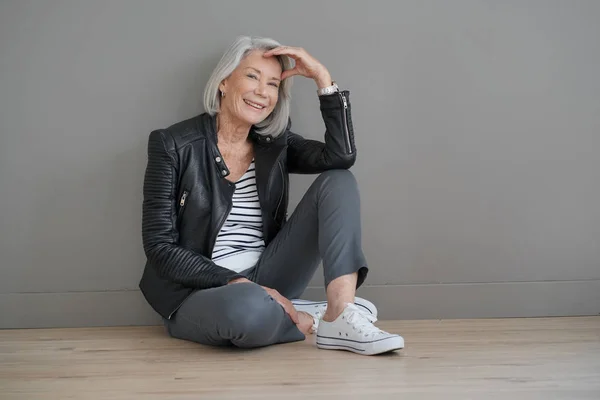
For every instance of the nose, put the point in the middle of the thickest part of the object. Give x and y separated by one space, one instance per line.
261 89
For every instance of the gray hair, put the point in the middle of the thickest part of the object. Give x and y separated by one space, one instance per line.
277 121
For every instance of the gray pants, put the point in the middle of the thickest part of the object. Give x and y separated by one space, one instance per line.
325 226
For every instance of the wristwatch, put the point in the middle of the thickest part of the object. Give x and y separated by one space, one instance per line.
329 89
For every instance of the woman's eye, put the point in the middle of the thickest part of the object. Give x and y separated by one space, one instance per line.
274 84
251 76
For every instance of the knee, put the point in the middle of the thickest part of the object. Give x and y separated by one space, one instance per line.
253 319
338 179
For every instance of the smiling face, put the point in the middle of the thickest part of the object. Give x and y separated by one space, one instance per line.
252 90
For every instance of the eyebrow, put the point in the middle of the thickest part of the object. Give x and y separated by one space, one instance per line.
259 71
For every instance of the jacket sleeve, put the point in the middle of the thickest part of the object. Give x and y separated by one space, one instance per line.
159 215
306 156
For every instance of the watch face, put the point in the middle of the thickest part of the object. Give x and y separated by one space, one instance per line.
329 89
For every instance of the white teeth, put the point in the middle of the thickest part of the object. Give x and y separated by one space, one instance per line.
257 106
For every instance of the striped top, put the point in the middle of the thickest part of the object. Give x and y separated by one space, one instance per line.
240 242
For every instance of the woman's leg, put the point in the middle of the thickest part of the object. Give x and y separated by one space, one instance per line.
242 314
325 226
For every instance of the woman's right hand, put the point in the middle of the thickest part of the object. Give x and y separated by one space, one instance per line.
284 302
287 305
239 280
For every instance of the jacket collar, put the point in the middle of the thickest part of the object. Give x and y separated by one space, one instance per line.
266 148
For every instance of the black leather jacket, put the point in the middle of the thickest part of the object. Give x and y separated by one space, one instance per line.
187 196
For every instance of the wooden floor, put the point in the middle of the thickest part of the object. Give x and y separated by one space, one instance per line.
546 358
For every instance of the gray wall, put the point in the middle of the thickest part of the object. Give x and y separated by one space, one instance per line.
477 124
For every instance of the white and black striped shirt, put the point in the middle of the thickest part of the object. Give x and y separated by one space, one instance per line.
240 242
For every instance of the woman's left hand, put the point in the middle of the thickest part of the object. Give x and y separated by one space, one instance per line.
306 65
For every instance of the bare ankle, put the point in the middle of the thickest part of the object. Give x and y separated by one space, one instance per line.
340 292
331 314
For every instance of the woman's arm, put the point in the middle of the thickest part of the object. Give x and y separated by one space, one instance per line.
159 232
338 150
306 156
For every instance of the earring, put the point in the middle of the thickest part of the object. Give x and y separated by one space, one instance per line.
222 94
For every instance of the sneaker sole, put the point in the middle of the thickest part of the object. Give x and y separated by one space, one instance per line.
359 301
380 347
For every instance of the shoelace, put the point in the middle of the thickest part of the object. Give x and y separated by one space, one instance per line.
320 312
362 322
364 326
317 316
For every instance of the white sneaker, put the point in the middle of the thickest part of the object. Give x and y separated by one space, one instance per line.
317 308
354 331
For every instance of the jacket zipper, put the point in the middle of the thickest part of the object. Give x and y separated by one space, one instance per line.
182 201
283 191
223 219
183 198
345 119
271 176
177 308
278 204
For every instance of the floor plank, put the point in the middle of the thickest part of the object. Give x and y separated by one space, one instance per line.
540 358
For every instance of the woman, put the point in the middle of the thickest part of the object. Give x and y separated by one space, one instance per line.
223 259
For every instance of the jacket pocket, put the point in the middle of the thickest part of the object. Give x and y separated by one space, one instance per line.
183 199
